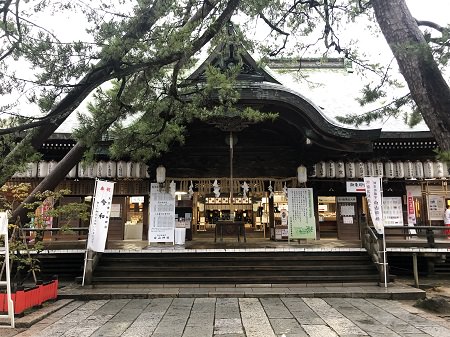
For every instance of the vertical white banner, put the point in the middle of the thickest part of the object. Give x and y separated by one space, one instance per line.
162 216
101 209
3 223
375 201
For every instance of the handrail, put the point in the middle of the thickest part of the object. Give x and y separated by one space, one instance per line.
430 233
68 229
373 243
57 233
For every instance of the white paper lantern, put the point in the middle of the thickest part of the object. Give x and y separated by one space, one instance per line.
379 169
302 174
42 169
340 169
321 169
160 174
100 169
51 166
111 167
131 171
121 169
313 171
20 174
147 174
439 169
389 169
72 173
428 170
82 170
370 169
360 169
418 170
142 170
31 171
137 170
399 170
331 169
409 170
91 170
350 170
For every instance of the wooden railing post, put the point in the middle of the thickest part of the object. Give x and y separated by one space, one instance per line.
430 238
92 259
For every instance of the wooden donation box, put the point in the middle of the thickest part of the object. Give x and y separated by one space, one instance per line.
229 227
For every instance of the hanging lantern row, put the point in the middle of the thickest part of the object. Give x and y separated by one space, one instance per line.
101 169
394 170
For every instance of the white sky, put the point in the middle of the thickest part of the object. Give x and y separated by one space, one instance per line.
70 27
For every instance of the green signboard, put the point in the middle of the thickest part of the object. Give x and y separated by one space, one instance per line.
301 219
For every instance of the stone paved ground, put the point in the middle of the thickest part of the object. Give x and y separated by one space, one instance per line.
238 317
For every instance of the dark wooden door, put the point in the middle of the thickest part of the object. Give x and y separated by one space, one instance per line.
117 219
347 218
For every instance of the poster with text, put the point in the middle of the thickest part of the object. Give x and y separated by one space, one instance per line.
101 210
436 207
393 211
301 218
162 216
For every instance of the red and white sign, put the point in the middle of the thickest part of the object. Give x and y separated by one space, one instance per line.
411 209
356 187
101 210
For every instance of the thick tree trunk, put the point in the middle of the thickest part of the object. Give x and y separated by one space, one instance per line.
50 182
425 81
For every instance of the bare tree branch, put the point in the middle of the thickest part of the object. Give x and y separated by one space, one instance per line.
430 24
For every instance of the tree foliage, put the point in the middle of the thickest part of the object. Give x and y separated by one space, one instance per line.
146 46
11 196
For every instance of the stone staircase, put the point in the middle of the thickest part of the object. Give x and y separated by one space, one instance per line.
67 266
235 267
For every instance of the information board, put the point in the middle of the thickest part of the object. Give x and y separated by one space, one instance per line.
392 211
162 216
301 218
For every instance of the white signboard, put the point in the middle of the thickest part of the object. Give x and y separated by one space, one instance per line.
116 211
284 217
101 210
162 216
3 223
374 200
301 218
356 186
347 210
392 211
436 207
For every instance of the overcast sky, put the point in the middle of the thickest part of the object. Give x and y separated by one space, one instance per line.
71 27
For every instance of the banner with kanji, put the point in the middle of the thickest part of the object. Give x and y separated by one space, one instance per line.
301 218
374 195
101 209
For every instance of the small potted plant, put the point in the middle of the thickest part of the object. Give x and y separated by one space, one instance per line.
28 288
